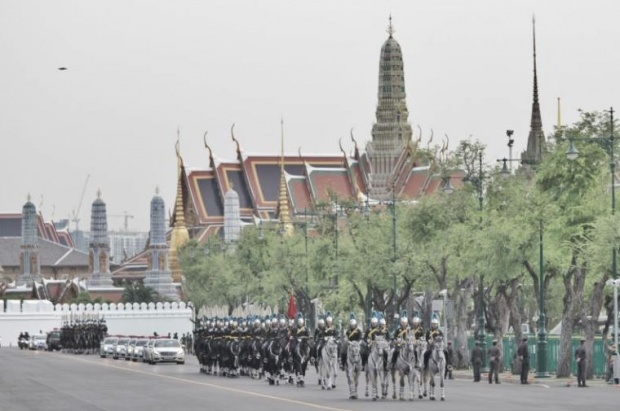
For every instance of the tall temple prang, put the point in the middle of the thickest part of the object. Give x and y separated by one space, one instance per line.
29 249
536 139
99 275
392 132
158 276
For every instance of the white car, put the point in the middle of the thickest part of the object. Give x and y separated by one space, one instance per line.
107 346
167 350
120 348
138 349
38 342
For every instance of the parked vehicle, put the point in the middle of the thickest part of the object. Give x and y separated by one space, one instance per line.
38 342
129 349
138 349
120 348
148 349
53 341
106 348
167 350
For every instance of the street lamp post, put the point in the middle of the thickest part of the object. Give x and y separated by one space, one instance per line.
541 341
482 337
444 296
395 298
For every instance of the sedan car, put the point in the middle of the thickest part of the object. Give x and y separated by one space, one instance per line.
138 349
129 349
167 350
38 342
120 348
107 346
147 350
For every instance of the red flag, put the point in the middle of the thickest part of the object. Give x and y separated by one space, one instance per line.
292 307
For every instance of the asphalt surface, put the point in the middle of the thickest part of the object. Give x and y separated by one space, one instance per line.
35 380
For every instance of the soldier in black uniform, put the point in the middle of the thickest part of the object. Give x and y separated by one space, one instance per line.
580 359
494 355
476 361
449 358
385 333
354 333
417 328
524 357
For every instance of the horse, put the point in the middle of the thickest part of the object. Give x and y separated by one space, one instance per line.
353 367
437 366
327 364
377 367
273 360
419 375
301 356
405 367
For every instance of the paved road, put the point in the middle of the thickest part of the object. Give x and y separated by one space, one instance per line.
32 381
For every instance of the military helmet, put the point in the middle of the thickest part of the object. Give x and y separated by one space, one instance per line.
416 320
300 322
328 318
321 322
374 321
282 321
435 323
382 321
352 320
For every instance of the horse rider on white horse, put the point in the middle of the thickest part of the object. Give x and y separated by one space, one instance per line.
354 333
400 336
378 331
329 331
431 334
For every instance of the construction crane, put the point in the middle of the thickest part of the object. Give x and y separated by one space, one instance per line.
126 216
76 212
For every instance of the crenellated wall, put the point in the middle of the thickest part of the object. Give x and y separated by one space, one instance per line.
126 319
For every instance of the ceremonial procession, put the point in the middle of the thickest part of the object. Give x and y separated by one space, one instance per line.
283 205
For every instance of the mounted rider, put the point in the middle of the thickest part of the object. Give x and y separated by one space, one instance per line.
329 331
354 333
431 335
378 331
400 336
417 328
319 332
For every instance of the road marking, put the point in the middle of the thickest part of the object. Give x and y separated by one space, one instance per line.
220 387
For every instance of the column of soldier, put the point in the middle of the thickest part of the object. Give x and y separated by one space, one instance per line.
82 333
281 350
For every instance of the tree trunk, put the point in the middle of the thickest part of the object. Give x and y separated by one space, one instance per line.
590 321
462 295
565 355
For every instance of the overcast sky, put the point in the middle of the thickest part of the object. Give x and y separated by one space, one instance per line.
137 70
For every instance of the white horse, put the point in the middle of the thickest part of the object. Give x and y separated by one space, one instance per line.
418 373
377 367
327 364
353 367
437 366
405 367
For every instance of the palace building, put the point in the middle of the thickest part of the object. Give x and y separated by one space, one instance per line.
274 186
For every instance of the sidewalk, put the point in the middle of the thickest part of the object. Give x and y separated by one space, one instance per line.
552 381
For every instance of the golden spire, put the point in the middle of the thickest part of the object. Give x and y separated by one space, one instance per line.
286 226
180 235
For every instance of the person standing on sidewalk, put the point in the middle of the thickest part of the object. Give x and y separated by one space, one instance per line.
476 361
524 357
494 358
580 359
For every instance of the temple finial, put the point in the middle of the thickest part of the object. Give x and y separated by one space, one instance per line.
559 125
156 190
390 29
534 50
99 193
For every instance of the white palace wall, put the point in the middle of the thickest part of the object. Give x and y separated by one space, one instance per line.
126 319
